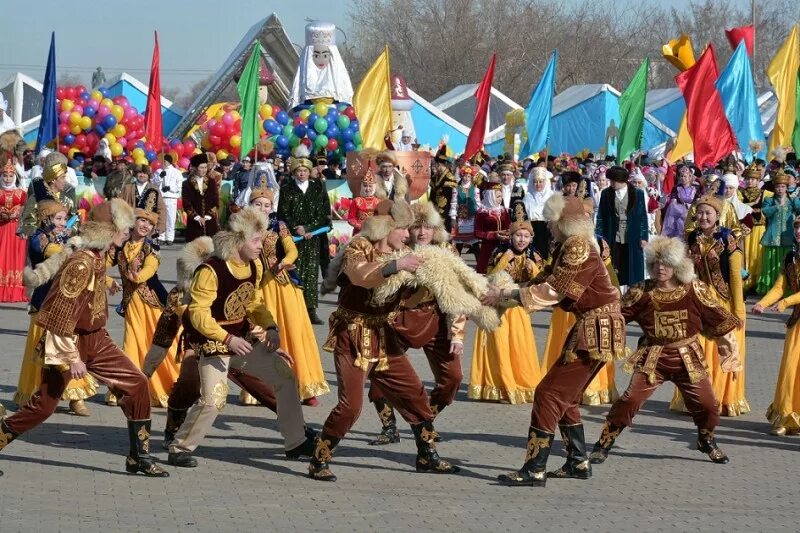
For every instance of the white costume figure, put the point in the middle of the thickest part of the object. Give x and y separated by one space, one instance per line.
321 73
103 149
404 136
6 123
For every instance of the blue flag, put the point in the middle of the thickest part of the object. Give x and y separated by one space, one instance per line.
538 110
48 125
739 98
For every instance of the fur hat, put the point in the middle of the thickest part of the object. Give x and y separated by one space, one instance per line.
520 224
425 214
241 226
570 217
618 174
198 159
48 208
388 215
386 157
191 256
670 252
104 221
716 203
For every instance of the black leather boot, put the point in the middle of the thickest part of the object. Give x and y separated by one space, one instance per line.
577 465
428 459
175 418
140 459
389 433
532 473
319 468
312 315
604 443
306 448
706 443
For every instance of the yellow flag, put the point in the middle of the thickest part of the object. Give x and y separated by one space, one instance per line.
782 74
680 52
373 103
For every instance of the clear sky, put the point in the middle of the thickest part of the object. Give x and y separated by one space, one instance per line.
195 36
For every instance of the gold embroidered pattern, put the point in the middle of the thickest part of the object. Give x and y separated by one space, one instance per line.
5 437
144 438
534 445
99 300
575 251
75 278
671 325
236 303
386 415
210 348
322 452
607 437
704 294
634 294
219 394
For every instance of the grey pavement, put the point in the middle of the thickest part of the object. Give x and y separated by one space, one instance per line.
68 475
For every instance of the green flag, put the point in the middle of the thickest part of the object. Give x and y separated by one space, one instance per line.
631 113
796 134
248 95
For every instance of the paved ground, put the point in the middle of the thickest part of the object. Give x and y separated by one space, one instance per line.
68 475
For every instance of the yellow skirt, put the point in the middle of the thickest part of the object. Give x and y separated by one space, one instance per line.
728 387
785 408
140 325
288 308
754 256
505 364
30 374
603 388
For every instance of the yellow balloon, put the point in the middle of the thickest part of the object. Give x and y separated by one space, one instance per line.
235 114
119 130
85 123
221 154
141 161
67 105
137 153
265 111
321 109
76 130
71 153
111 138
118 112
107 102
116 149
74 118
220 114
304 113
97 96
236 141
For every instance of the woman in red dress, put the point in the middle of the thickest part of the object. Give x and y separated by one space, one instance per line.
12 248
491 224
363 206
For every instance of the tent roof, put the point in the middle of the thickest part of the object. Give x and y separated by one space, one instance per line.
24 95
657 98
438 113
144 89
280 55
460 103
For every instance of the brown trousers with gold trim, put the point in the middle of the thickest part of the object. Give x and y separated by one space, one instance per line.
107 363
559 394
186 390
698 397
399 383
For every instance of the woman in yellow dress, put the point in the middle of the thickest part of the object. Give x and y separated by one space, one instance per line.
505 364
784 412
48 239
144 297
718 261
285 300
603 388
752 195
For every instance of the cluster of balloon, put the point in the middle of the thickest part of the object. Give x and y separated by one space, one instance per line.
85 117
221 132
332 127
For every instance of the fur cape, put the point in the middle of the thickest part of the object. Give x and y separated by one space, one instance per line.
456 287
192 255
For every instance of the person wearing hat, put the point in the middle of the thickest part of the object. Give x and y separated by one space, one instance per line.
422 324
241 177
784 411
143 295
117 179
719 261
392 184
578 282
6 122
363 206
442 186
228 325
406 143
52 185
680 200
12 247
622 222
505 363
779 212
305 208
513 194
200 195
752 195
134 192
675 312
74 316
171 181
491 224
366 346
48 240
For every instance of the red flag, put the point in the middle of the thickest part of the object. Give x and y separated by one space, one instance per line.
748 33
482 95
705 116
153 129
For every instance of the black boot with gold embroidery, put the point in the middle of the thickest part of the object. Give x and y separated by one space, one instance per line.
604 443
532 473
6 436
428 459
140 459
319 468
389 433
175 418
706 443
577 465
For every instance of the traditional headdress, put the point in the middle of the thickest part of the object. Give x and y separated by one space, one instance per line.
261 187
386 156
300 159
198 159
147 208
10 149
520 224
104 221
780 178
671 252
48 208
506 162
369 176
715 202
388 215
570 217
241 226
752 172
55 166
425 214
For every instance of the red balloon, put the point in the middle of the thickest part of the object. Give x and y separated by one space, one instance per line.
129 114
333 144
214 140
148 146
81 89
297 121
63 130
80 139
123 142
155 164
218 129
230 129
189 145
238 124
61 93
63 148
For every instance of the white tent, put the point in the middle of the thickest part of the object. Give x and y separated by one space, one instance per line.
24 95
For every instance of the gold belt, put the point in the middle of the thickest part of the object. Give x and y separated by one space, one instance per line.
608 308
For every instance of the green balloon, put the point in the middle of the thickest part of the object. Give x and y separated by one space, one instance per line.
288 130
343 121
321 125
294 141
321 140
357 138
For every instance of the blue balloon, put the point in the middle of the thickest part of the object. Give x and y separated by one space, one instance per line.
100 130
151 155
347 134
300 130
312 133
311 119
283 118
109 121
282 141
69 139
270 126
332 132
333 113
354 124
85 95
103 91
349 147
89 111
140 144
